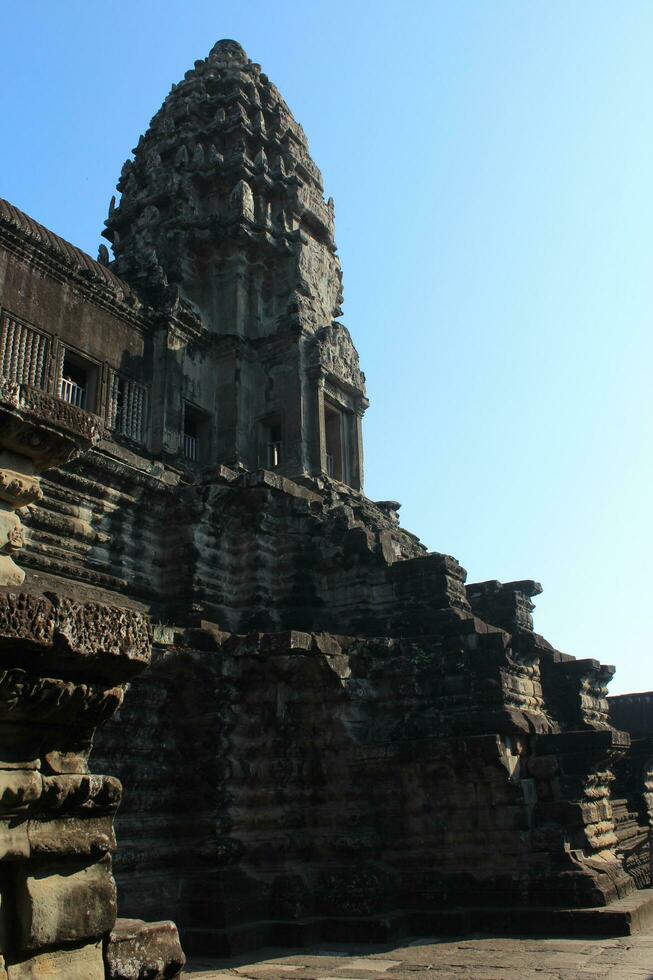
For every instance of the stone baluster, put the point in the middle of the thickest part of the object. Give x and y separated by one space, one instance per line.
140 411
61 354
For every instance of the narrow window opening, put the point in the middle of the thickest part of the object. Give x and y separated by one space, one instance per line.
78 381
274 445
271 450
195 435
334 442
191 440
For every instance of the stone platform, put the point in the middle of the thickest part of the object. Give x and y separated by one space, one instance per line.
626 917
472 958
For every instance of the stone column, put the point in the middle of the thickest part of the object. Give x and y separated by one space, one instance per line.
358 463
317 433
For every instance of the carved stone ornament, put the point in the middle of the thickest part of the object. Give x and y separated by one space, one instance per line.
337 355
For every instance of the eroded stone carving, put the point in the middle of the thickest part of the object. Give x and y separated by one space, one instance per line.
337 355
213 197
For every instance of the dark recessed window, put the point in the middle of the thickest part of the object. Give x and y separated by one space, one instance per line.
271 443
274 446
78 383
196 435
333 426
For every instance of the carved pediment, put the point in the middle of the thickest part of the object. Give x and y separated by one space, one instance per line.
337 355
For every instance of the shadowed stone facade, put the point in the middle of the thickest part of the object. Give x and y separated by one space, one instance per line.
328 733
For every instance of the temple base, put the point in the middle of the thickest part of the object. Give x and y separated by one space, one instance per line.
625 917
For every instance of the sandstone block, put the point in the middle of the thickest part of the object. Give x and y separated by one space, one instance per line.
79 836
64 902
138 950
73 761
66 791
14 840
542 767
18 787
83 963
10 574
10 530
18 484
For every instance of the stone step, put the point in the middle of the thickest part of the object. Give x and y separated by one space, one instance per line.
625 917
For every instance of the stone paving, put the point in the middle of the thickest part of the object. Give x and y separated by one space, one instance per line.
472 958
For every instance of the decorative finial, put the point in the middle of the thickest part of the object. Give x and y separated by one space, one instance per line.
228 52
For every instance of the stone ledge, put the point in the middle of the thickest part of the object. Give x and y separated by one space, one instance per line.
42 410
88 639
626 917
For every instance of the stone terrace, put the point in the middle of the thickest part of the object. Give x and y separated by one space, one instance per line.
473 958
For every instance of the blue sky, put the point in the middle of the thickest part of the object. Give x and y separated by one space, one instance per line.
491 167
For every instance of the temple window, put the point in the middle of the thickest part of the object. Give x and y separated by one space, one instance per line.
23 353
273 443
195 436
333 427
126 414
78 380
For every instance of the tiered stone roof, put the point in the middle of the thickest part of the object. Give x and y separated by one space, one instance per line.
223 202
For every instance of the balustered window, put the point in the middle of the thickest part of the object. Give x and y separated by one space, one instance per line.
127 403
23 353
196 435
78 380
270 450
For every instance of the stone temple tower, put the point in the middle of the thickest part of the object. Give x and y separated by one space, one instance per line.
222 224
336 736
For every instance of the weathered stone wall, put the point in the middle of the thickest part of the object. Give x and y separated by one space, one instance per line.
338 780
102 524
255 551
633 712
63 672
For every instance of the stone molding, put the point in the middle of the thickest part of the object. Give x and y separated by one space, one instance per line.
48 253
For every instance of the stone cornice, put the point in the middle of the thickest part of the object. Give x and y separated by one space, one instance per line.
47 253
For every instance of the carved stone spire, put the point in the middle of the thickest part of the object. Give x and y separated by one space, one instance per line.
223 206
